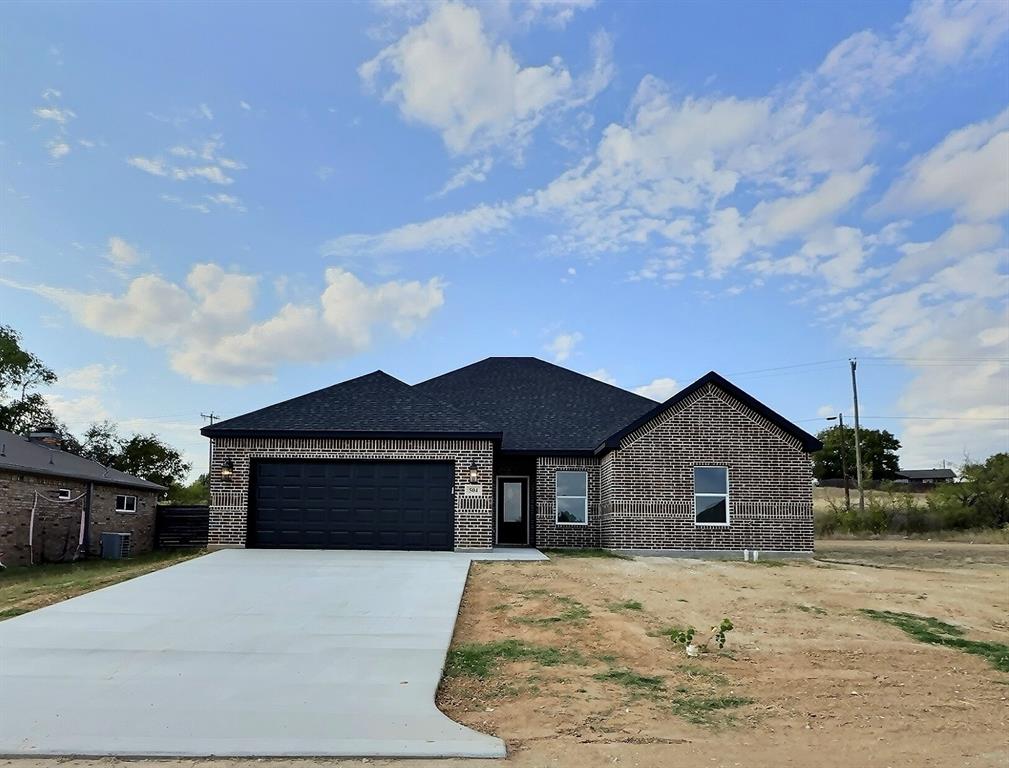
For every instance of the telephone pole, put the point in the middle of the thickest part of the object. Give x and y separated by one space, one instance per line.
858 446
211 417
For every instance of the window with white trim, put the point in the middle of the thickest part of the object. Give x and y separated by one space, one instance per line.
64 494
572 498
126 503
711 495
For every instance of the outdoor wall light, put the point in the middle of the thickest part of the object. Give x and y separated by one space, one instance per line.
474 472
227 470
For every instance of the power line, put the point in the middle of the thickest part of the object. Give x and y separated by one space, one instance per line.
922 418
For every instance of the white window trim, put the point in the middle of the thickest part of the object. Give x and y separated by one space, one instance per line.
728 506
558 497
63 494
125 496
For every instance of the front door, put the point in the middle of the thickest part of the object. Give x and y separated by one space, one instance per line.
513 510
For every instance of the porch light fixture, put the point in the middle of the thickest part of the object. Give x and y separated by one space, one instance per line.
474 472
227 470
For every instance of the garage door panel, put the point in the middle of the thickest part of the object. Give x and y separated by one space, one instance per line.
353 505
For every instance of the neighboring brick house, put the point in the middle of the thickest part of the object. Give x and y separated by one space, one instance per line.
54 505
512 451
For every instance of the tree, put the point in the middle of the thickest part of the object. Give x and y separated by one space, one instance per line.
981 498
197 492
879 453
145 456
22 406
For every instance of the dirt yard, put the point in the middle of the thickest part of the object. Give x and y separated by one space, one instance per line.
572 663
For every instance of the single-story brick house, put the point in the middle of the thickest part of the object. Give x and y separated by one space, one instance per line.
512 451
55 505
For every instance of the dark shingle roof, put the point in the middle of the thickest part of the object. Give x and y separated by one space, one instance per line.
927 474
537 405
375 404
18 454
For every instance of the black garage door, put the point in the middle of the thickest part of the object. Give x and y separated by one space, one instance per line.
352 505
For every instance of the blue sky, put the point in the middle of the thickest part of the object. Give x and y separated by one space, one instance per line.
212 207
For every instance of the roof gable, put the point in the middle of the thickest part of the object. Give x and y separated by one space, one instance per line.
808 442
538 406
374 404
19 454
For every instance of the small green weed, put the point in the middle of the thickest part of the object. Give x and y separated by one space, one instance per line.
927 629
482 659
693 671
10 613
631 679
627 605
700 709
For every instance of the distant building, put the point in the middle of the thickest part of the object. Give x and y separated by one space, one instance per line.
925 476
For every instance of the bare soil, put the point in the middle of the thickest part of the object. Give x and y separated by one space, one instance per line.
805 678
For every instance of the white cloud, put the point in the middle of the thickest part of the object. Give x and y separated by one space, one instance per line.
475 171
445 233
245 105
935 34
968 173
826 410
121 254
77 412
660 389
204 162
205 111
601 374
57 146
208 329
227 201
448 74
58 149
10 258
562 345
920 260
96 377
56 114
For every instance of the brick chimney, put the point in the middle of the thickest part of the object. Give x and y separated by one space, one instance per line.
47 436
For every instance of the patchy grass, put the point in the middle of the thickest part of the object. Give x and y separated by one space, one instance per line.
626 605
769 563
483 659
27 588
697 671
572 610
702 710
604 553
927 629
631 679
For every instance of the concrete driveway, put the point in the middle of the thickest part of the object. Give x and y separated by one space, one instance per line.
243 653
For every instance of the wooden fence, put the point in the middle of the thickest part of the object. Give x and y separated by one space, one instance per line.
181 526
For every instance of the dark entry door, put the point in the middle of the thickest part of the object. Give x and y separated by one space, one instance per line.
512 510
352 505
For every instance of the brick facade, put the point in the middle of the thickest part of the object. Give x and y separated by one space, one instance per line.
646 486
640 496
57 523
550 533
229 499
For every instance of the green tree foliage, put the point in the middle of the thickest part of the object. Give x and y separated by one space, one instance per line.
879 453
22 374
980 499
145 456
197 492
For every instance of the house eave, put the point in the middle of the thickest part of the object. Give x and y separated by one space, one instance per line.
348 434
139 484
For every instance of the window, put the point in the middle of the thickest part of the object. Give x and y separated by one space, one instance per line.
64 494
711 495
126 503
572 498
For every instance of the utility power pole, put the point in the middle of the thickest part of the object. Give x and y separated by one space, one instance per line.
211 417
858 446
